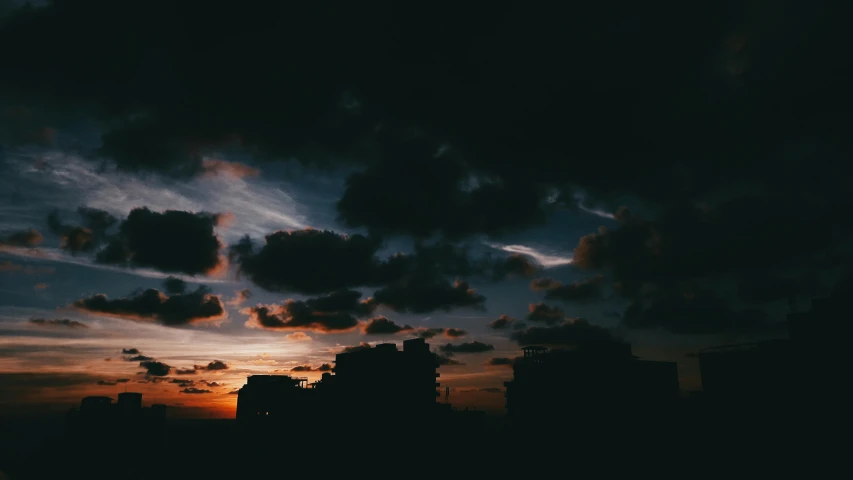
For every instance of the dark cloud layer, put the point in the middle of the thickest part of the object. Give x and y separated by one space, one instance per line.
171 310
171 241
500 362
696 312
570 332
326 367
58 322
543 313
24 238
384 326
213 366
580 291
337 311
311 261
484 83
424 296
468 120
155 368
82 238
504 321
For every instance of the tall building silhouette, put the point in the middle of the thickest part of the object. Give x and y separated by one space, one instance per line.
747 373
380 383
385 381
591 382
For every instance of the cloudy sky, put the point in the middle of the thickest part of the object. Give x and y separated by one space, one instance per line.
253 189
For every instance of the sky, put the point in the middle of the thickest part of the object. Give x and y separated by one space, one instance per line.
258 187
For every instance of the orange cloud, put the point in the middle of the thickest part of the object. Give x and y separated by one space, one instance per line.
7 266
214 167
297 337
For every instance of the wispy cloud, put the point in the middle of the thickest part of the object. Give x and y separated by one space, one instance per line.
57 255
547 259
596 211
58 180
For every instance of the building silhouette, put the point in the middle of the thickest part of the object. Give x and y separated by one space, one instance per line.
747 374
593 382
274 397
380 383
98 420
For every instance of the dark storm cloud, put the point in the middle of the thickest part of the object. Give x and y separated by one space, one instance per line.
85 238
580 291
504 321
383 326
194 390
571 332
545 283
58 322
469 347
302 368
427 295
213 366
311 261
173 285
185 371
766 288
500 362
695 312
171 241
155 368
314 261
432 332
433 193
455 332
342 301
24 238
668 113
357 348
542 313
130 351
412 74
170 310
137 358
337 311
516 265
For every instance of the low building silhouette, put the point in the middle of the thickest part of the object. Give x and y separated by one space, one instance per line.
274 397
98 420
381 383
592 382
747 374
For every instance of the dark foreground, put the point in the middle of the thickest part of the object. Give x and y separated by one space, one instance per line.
592 445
